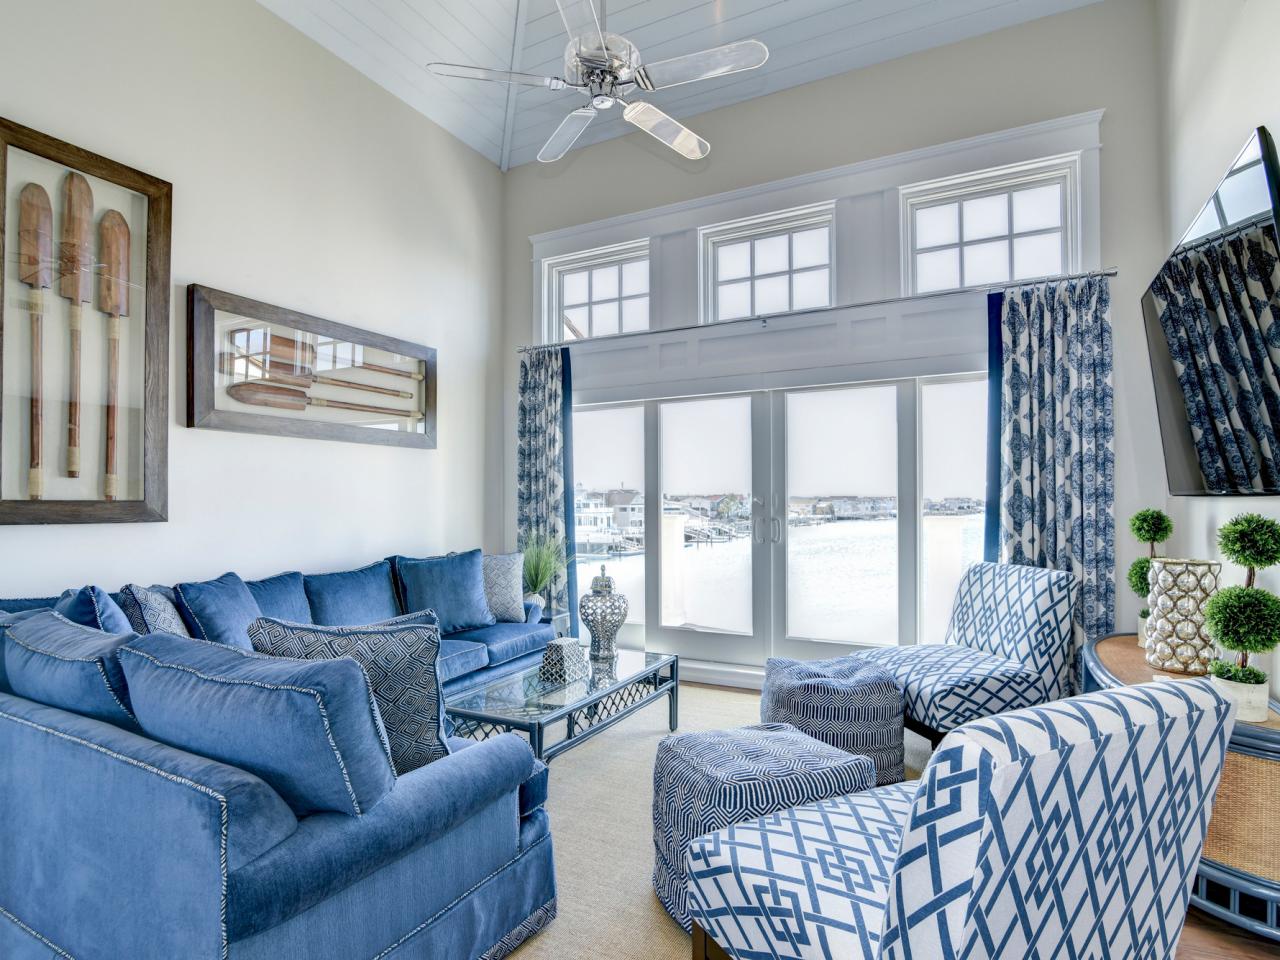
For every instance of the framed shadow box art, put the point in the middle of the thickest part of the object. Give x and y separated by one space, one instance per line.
258 368
84 345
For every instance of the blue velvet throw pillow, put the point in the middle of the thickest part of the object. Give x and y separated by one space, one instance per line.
282 596
399 657
218 610
67 665
453 586
308 728
8 619
353 597
93 607
152 610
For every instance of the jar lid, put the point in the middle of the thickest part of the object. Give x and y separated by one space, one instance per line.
602 583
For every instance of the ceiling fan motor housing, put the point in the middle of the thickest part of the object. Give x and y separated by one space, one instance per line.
586 65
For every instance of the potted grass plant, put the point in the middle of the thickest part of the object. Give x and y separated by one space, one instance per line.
1150 526
544 559
1245 620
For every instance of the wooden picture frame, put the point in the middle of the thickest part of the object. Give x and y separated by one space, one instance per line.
206 406
152 505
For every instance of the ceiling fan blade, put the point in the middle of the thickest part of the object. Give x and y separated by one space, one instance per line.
496 76
566 134
582 24
716 62
671 132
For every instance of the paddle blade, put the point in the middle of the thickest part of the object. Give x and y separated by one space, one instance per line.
35 237
671 132
268 395
566 134
494 76
583 26
703 65
75 259
113 280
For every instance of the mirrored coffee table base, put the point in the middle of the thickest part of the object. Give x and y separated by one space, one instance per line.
524 703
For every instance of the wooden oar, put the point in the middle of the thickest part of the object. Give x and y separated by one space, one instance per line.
113 300
227 362
286 398
76 285
301 356
35 268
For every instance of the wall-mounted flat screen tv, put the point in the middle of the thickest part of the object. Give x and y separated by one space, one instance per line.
1212 317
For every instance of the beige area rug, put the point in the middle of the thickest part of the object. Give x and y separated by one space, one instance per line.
602 827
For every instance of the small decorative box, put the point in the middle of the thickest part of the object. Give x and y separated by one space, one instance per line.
563 662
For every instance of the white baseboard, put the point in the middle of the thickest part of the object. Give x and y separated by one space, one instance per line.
722 674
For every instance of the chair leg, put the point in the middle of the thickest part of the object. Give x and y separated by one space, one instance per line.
704 948
933 736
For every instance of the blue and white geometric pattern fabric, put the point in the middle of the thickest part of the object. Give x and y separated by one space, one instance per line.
846 702
1018 613
812 881
1057 439
949 685
705 781
152 610
1068 830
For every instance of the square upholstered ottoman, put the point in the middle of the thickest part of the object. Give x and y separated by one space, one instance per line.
706 781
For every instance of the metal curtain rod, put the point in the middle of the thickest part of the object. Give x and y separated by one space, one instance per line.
764 320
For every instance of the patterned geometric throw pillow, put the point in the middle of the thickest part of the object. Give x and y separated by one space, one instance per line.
504 586
151 610
400 661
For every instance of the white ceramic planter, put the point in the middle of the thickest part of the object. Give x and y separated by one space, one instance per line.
1142 632
1250 698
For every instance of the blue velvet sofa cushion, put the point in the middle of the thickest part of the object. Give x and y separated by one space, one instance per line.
283 597
218 610
53 661
353 597
7 619
93 607
400 662
21 604
453 586
152 610
506 641
310 729
458 657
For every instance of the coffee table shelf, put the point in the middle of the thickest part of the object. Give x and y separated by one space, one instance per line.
525 704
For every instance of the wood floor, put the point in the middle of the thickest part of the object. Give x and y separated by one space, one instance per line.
1208 938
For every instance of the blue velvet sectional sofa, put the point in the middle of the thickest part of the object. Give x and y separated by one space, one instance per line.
114 845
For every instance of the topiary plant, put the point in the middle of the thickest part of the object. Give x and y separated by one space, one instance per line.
1251 540
1243 620
1151 526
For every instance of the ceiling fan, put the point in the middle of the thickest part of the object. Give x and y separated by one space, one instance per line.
607 68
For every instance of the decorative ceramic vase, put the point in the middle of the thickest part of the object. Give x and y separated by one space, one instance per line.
602 612
1177 640
1250 699
563 662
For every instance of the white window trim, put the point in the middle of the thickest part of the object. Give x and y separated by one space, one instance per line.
757 228
1064 169
555 267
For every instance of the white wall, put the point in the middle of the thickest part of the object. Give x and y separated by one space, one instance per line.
299 182
1102 56
1218 83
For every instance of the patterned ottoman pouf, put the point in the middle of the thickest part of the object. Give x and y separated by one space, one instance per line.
706 781
846 702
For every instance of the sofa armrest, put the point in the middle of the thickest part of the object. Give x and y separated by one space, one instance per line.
532 611
116 845
330 851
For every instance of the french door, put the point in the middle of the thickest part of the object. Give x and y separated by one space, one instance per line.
801 522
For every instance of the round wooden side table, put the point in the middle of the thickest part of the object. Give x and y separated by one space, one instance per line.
1239 877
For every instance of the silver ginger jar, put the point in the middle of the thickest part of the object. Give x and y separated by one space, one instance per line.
1177 640
603 612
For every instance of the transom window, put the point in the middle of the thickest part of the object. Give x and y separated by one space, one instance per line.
1242 195
777 264
990 229
602 293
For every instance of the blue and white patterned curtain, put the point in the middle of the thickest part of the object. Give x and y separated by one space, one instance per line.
544 461
1218 306
1057 462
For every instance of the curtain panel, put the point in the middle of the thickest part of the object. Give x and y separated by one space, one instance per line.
544 464
1057 455
1219 310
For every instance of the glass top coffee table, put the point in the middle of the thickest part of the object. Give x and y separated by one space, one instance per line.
522 702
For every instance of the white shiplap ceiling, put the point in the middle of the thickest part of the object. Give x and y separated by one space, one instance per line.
391 41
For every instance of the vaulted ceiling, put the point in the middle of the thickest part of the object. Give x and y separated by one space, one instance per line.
391 41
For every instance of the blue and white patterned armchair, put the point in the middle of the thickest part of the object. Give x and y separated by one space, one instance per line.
1009 645
1067 830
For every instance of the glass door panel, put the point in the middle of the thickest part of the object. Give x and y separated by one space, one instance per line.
608 500
953 442
841 556
707 510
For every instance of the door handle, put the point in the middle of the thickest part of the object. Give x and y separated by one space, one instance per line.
756 526
777 529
